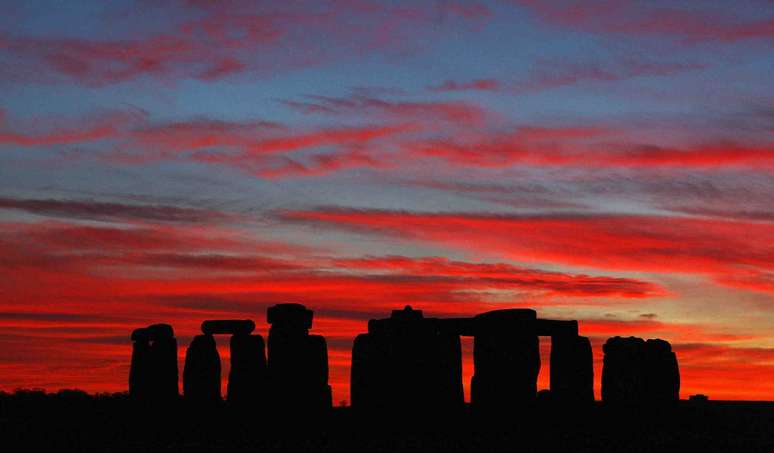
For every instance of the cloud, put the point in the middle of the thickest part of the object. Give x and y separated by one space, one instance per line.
319 164
588 149
556 74
106 125
325 137
724 371
504 276
550 74
603 241
211 43
473 85
739 214
648 327
514 195
96 210
456 112
750 279
384 135
649 19
55 317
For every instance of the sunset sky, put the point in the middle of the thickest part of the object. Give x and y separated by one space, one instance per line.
606 161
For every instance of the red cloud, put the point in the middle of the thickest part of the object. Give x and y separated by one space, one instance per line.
326 137
725 372
105 127
475 85
505 276
226 40
461 113
225 67
616 242
751 279
576 147
319 164
549 74
645 19
57 137
647 328
111 211
405 132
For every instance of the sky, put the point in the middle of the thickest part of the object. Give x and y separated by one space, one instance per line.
605 161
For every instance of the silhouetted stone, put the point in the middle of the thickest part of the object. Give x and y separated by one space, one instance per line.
639 372
140 370
297 361
572 369
201 375
407 362
247 378
506 357
294 317
320 393
662 376
164 385
157 331
623 370
228 327
153 376
364 381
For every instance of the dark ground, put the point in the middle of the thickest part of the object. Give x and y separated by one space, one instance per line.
73 421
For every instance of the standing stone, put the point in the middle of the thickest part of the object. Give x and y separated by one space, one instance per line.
153 376
572 369
506 357
201 375
407 362
623 372
164 386
450 394
139 373
320 395
640 372
662 376
247 377
297 361
365 379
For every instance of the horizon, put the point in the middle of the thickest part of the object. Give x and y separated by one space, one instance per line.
609 162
